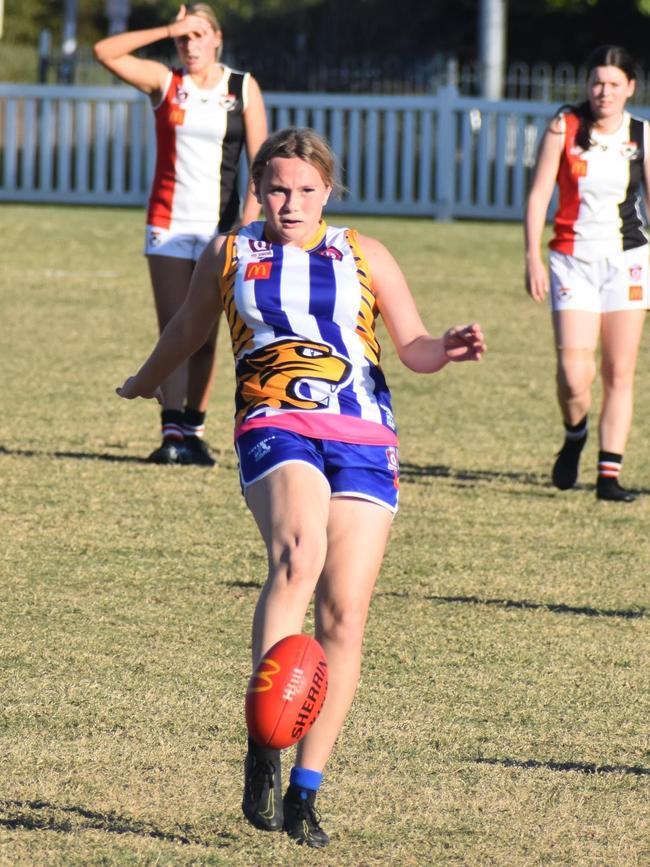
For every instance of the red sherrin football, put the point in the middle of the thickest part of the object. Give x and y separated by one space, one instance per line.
286 692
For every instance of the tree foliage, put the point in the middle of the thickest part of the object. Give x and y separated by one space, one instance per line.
337 30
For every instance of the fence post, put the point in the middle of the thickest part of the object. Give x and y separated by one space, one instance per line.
44 48
445 153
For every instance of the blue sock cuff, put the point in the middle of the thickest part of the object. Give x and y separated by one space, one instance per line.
304 778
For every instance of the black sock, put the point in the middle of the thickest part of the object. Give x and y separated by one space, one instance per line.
193 422
609 467
172 424
576 433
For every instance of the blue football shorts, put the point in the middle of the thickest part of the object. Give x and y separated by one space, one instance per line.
358 471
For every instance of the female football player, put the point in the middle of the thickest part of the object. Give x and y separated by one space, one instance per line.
598 154
205 113
314 428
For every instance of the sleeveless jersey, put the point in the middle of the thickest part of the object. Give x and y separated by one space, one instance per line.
302 323
199 138
598 213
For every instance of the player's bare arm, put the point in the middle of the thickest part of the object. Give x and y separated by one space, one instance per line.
149 76
548 163
256 131
188 329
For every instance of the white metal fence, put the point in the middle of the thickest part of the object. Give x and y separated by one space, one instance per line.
440 156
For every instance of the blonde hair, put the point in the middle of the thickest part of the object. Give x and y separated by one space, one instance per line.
204 10
301 142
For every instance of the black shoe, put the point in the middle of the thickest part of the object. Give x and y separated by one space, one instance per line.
301 820
262 802
609 489
565 468
197 452
172 451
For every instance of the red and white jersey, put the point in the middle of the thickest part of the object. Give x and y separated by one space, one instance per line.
598 213
199 138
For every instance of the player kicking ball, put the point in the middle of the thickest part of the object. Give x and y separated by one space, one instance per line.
314 428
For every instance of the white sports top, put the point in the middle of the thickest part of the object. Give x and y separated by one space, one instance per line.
598 213
199 138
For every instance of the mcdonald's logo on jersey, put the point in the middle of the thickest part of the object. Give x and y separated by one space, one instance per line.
177 116
258 270
579 168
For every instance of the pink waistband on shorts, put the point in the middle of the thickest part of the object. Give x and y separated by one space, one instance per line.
344 428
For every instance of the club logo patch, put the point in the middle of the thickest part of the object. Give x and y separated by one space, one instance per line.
629 150
181 95
636 274
331 253
260 250
228 102
393 464
155 240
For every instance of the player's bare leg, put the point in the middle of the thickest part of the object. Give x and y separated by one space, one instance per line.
291 507
170 279
576 337
357 534
620 337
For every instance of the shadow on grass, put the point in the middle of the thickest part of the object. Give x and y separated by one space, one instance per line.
582 767
77 456
555 608
43 816
412 472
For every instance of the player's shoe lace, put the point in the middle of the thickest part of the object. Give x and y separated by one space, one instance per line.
302 819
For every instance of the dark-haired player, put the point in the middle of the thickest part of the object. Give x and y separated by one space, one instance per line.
598 154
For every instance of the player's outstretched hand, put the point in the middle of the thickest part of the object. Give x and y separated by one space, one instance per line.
464 343
129 391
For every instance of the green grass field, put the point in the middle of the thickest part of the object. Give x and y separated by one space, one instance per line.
502 716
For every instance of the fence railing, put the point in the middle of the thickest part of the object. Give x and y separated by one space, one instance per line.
440 156
279 70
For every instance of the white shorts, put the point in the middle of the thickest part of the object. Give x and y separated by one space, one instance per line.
619 282
179 245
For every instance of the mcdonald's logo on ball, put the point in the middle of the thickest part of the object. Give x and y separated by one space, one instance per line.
286 692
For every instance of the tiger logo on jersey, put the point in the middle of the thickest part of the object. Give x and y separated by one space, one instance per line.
291 374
